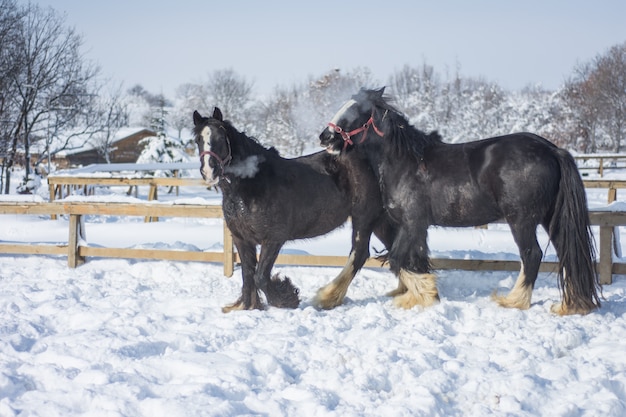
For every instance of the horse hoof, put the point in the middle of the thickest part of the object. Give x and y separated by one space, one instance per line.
237 305
398 291
562 310
407 301
240 305
421 290
326 299
508 301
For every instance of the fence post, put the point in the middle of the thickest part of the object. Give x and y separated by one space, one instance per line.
612 194
606 255
52 189
76 233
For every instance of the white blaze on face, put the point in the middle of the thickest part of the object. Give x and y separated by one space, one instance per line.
207 172
340 113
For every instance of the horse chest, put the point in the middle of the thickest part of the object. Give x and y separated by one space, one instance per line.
239 216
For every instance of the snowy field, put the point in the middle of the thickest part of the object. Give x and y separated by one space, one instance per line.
147 338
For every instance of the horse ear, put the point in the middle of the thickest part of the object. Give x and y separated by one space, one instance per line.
196 118
381 91
217 114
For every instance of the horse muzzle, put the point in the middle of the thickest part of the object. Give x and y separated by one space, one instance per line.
209 174
330 142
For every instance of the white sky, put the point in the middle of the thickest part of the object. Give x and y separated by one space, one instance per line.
162 44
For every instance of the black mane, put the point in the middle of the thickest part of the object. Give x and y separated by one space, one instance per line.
241 144
402 136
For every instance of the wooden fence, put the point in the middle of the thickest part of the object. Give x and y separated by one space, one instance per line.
614 161
61 186
77 252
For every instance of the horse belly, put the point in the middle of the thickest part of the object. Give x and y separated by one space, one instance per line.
283 219
463 207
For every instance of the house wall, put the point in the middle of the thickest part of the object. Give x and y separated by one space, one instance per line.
127 150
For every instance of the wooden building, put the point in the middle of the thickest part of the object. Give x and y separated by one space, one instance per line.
127 148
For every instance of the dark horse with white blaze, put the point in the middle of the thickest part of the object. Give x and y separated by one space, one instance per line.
521 178
269 200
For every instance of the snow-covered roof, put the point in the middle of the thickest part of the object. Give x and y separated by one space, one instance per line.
89 144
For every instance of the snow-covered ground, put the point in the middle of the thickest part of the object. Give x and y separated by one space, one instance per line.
148 338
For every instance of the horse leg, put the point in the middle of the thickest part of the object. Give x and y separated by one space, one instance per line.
279 293
249 298
571 304
399 290
332 295
525 236
386 232
409 259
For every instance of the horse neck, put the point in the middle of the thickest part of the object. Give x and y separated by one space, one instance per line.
248 157
243 146
405 140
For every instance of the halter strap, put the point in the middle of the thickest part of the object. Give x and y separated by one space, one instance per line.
223 163
347 136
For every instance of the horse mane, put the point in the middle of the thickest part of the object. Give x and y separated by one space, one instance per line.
403 136
241 144
246 145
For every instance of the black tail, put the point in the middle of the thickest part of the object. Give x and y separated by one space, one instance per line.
571 235
282 293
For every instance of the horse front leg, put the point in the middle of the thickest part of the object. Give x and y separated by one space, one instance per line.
333 294
386 231
279 292
249 299
408 259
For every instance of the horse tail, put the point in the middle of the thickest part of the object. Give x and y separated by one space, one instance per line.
570 232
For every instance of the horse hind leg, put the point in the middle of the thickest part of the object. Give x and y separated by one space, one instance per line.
566 307
530 254
519 296
279 292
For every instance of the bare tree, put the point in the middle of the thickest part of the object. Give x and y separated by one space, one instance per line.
53 77
279 123
596 96
609 75
582 110
110 117
188 98
10 20
232 93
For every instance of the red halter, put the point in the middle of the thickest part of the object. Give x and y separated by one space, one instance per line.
347 136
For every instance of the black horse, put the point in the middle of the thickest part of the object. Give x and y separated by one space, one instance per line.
521 178
269 200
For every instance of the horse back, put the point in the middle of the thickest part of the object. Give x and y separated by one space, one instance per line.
482 181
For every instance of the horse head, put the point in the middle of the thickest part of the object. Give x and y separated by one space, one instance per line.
214 145
355 118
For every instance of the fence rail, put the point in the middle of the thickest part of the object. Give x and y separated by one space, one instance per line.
615 161
60 186
77 252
